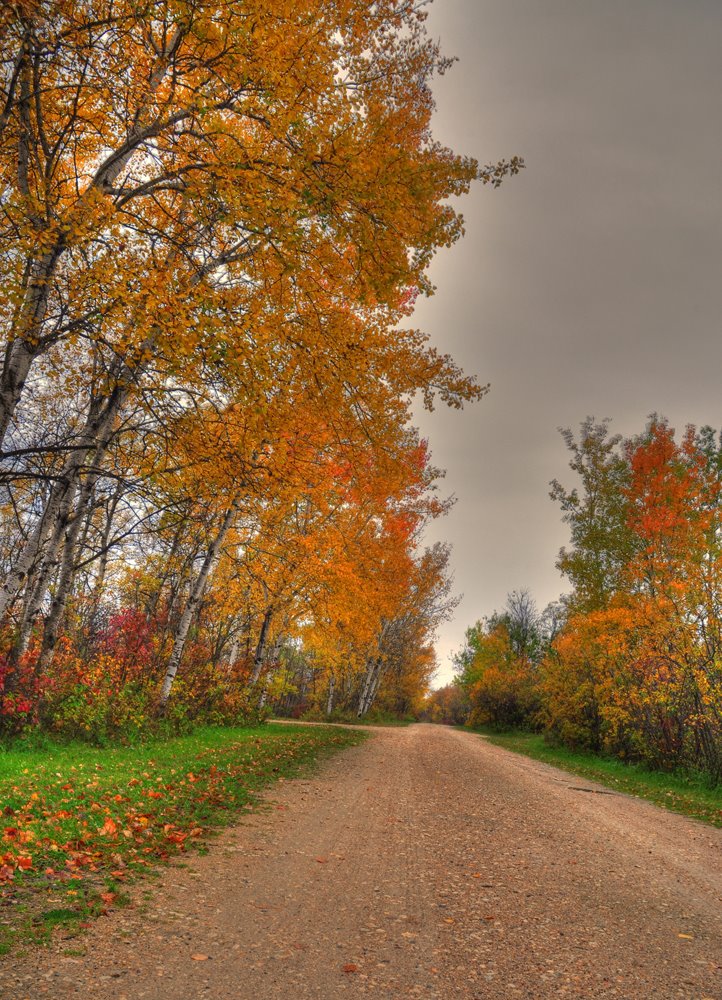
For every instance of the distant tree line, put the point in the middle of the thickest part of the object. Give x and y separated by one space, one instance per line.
629 662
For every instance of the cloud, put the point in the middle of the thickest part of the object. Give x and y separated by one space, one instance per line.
589 284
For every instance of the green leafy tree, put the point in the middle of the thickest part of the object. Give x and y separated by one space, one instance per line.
596 510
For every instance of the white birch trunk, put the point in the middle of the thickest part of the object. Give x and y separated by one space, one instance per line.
43 547
367 687
233 653
331 692
194 599
65 580
99 581
374 688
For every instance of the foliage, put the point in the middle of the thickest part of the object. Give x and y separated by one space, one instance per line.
597 513
500 661
447 705
216 221
633 666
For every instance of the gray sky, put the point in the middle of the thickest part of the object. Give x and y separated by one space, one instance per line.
589 285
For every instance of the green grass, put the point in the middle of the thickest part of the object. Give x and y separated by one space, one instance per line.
79 823
687 794
383 721
373 719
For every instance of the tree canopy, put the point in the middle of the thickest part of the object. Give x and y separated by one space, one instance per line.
215 221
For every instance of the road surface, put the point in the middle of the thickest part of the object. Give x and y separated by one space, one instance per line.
424 864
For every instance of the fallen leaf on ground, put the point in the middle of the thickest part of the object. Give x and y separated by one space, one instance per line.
200 958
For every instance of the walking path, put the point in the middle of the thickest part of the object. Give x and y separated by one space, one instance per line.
425 863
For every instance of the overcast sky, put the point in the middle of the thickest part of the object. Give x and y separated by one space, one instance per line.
589 285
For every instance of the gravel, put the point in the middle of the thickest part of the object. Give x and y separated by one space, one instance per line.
425 863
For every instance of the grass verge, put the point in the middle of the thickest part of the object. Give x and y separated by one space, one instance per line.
78 823
689 795
380 721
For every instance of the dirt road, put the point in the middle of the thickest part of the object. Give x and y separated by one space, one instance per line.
425 863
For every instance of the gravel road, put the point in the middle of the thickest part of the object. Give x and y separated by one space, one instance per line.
425 863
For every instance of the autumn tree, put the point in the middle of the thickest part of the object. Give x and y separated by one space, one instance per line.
401 663
638 674
216 220
196 189
499 664
183 154
595 509
446 705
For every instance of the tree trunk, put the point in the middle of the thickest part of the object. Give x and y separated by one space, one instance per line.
99 581
39 580
25 341
331 691
24 565
194 599
374 688
42 548
369 690
260 648
367 687
64 584
233 653
154 601
19 357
